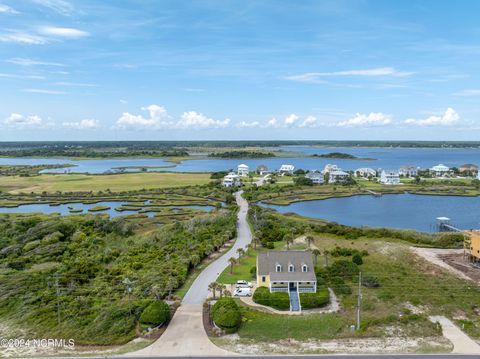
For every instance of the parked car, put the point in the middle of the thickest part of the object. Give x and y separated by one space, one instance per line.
242 292
243 284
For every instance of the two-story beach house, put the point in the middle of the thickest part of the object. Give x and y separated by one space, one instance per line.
231 180
365 172
286 170
408 171
287 271
243 170
337 176
439 170
315 177
389 177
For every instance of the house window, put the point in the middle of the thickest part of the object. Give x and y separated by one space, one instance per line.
263 279
279 268
304 268
291 268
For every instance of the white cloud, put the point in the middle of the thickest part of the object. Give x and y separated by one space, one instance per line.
5 9
45 91
66 32
468 93
450 117
28 77
74 84
160 119
291 119
310 121
244 124
24 38
22 61
193 119
122 101
17 120
59 6
86 124
273 123
372 119
375 72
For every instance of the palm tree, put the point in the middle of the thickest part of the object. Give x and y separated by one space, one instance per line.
221 289
213 287
288 238
232 262
240 252
326 253
316 252
309 240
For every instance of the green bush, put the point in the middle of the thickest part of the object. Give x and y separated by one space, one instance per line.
340 287
253 271
343 268
277 300
226 314
357 259
370 281
156 313
314 300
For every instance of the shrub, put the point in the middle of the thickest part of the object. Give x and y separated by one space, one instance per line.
226 314
253 271
277 300
340 287
315 300
156 313
343 268
370 281
357 259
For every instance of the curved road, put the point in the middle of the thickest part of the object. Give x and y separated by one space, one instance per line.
185 335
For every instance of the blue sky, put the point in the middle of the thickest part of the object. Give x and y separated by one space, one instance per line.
166 70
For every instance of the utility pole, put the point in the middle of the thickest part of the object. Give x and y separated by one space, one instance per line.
57 286
359 302
128 284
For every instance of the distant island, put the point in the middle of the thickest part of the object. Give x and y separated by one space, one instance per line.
241 154
341 156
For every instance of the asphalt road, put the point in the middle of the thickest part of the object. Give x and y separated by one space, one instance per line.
198 292
340 356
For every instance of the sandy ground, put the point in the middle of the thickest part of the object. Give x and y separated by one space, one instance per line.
340 346
434 256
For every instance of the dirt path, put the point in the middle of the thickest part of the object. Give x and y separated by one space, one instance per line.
462 343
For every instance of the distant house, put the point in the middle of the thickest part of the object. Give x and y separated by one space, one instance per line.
329 168
365 172
262 170
243 170
231 180
389 177
286 170
468 169
315 177
408 171
337 176
439 170
287 271
478 175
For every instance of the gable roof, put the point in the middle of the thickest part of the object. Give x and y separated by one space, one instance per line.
267 261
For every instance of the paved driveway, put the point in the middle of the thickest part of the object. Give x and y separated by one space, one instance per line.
185 335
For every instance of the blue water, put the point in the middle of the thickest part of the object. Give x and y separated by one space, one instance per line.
64 209
404 211
385 158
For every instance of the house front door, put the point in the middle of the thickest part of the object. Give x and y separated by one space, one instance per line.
292 286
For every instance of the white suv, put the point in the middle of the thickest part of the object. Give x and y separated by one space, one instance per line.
242 292
243 284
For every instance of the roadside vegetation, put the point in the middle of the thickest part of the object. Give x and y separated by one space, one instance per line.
88 258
